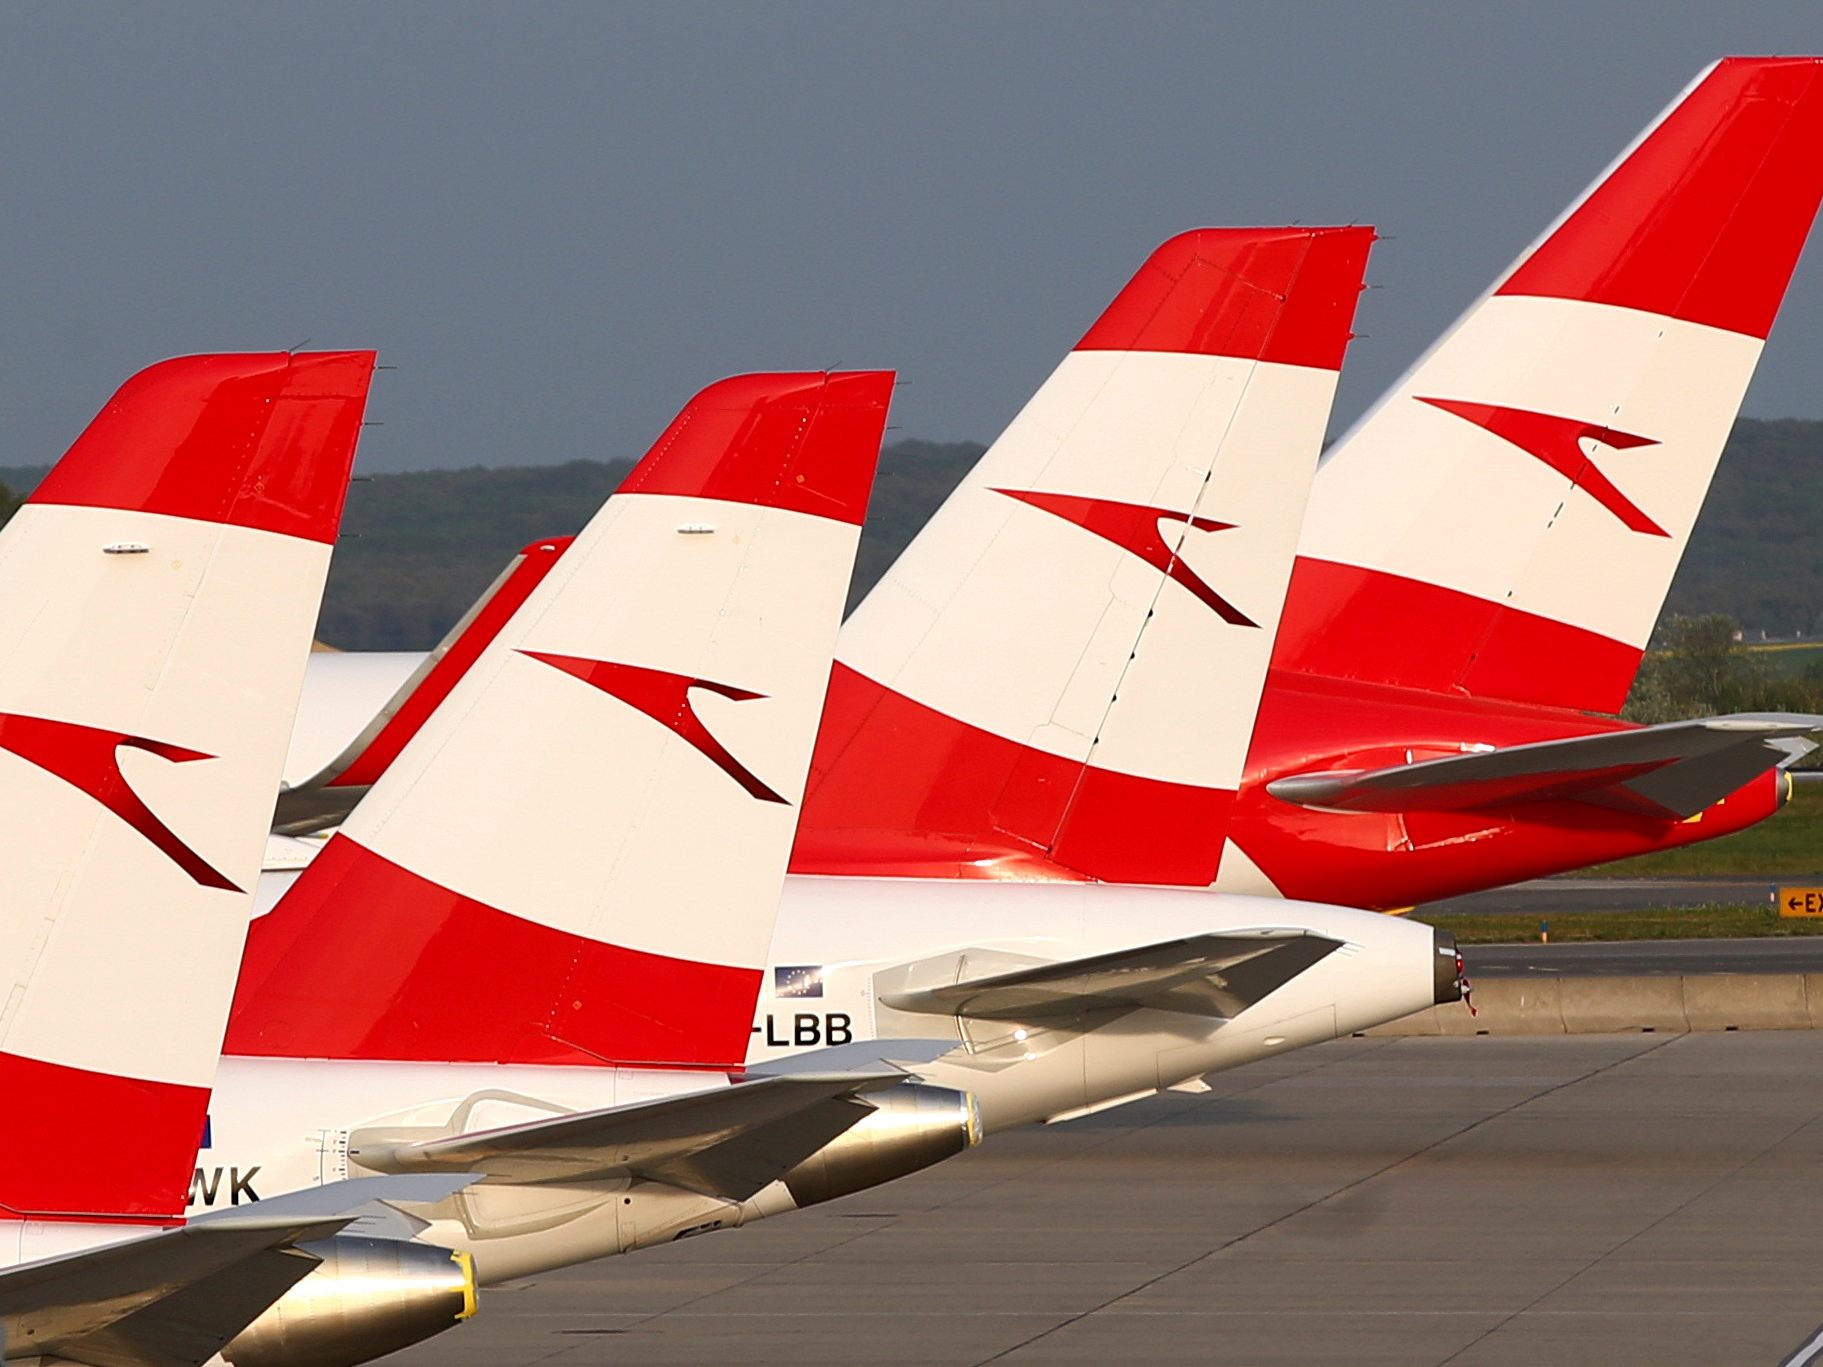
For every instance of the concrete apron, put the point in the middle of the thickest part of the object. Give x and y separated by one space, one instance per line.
1604 1005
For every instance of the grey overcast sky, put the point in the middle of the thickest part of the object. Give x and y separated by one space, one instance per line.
560 220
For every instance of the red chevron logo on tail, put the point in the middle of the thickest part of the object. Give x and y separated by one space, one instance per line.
87 758
665 697
1134 528
1558 443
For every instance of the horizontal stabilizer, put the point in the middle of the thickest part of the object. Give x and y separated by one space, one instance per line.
1201 975
727 1142
1668 772
366 1206
168 1299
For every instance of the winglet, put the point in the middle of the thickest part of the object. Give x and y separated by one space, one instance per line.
326 797
451 660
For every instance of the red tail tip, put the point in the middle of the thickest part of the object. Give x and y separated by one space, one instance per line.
807 442
260 440
1704 219
1269 294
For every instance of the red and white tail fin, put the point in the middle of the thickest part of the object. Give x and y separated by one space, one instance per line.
1506 521
157 596
578 858
1059 676
327 796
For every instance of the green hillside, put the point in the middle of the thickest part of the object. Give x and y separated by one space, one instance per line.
419 547
1758 550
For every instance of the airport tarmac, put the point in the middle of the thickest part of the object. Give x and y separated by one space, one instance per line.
1555 896
1601 958
1479 1202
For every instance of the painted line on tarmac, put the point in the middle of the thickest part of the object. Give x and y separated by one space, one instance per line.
1224 1245
1806 1352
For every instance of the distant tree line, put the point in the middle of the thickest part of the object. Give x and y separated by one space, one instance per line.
1757 553
417 549
1699 667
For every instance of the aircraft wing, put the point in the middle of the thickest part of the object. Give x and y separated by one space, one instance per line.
1202 975
1669 772
727 1142
327 797
172 1298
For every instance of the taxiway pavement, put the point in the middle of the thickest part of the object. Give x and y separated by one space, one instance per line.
1554 896
1476 1202
1774 954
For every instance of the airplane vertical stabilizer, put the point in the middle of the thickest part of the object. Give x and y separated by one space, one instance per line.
157 596
1506 521
577 859
1059 676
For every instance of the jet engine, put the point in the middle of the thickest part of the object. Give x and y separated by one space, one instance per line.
911 1127
369 1297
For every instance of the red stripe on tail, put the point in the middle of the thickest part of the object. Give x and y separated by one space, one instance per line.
83 1145
363 959
1229 292
1345 622
1705 219
898 789
261 441
777 440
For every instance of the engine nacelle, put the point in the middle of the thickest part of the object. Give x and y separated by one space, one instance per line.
911 1127
369 1297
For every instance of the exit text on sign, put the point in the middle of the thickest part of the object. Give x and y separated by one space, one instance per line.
1801 901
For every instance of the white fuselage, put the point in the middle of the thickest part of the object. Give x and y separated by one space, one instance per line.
861 934
26 1241
279 1124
